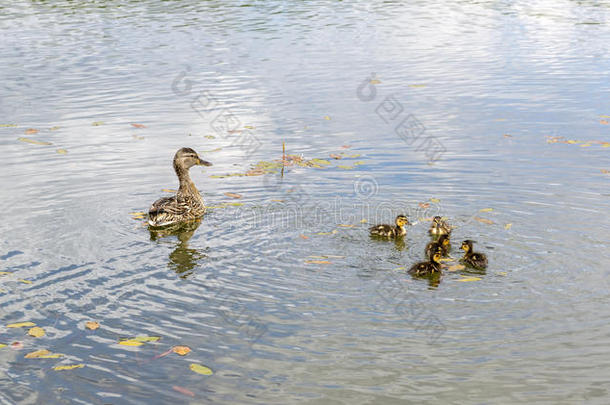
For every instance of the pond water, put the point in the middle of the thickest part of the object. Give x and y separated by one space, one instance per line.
491 113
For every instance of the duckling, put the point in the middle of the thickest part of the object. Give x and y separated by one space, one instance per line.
187 204
443 243
471 258
428 268
390 231
439 227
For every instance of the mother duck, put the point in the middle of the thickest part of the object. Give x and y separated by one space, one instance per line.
187 204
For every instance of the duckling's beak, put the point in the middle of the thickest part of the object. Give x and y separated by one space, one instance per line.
203 162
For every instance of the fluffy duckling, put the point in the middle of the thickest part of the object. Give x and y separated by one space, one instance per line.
187 204
390 231
439 227
471 258
443 243
428 268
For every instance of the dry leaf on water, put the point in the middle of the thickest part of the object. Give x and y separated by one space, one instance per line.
31 131
97 123
68 367
233 195
181 350
37 353
183 390
303 236
484 220
16 345
21 325
435 200
467 279
508 226
199 369
33 141
335 156
92 325
326 117
486 210
138 125
36 332
604 122
62 151
130 343
317 262
604 171
424 205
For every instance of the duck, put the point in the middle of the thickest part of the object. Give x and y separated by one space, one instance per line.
443 243
439 227
428 268
187 204
471 258
390 231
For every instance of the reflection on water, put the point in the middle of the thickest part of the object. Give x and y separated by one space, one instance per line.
182 259
291 307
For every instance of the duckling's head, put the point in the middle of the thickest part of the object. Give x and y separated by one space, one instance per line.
435 257
186 158
467 245
401 221
437 220
444 240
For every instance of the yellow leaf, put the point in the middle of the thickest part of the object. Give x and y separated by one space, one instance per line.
24 281
417 85
606 145
508 226
233 195
36 332
62 151
467 279
52 356
363 221
55 128
571 141
30 131
502 273
456 267
209 136
92 325
5 273
486 210
375 81
8 125
130 343
317 262
435 200
166 190
37 353
249 127
484 220
33 141
319 161
21 325
145 339
69 367
584 145
181 350
2 345
346 225
199 369
97 123
345 167
326 117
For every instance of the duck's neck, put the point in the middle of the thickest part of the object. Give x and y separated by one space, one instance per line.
186 184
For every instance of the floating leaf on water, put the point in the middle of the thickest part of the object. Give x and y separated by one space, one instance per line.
363 221
605 144
467 279
317 257
502 273
604 171
31 131
199 369
21 280
277 200
16 345
181 350
604 116
183 390
145 339
92 325
572 141
36 331
346 146
424 205
8 125
303 236
5 273
486 210
37 353
52 356
62 151
55 128
137 137
508 226
209 136
319 161
138 125
233 195
130 343
249 127
234 204
359 163
375 81
417 85
400 268
167 190
21 325
346 225
507 135
317 262
2 345
435 200
584 145
33 141
68 367
344 167
484 220
456 267
604 122
335 156
327 118
97 123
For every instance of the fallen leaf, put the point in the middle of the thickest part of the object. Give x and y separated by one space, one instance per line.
507 135
165 190
138 125
8 125
508 226
604 122
358 163
62 151
484 220
502 273
5 273
52 356
605 144
37 353
345 167
303 236
145 339
33 141
36 332
467 279
326 117
69 367
2 345
130 343
233 195
363 221
31 131
584 145
277 200
24 281
486 210
335 156
375 81
183 390
417 85
55 128
435 200
181 350
346 146
604 171
571 141
424 205
199 369
21 325
601 116
249 127
317 262
138 138
16 345
346 225
456 267
92 325
97 123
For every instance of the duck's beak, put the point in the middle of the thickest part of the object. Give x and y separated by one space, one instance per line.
202 162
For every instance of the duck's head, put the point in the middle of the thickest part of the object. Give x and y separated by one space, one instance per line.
467 245
435 257
401 221
187 158
437 220
444 240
